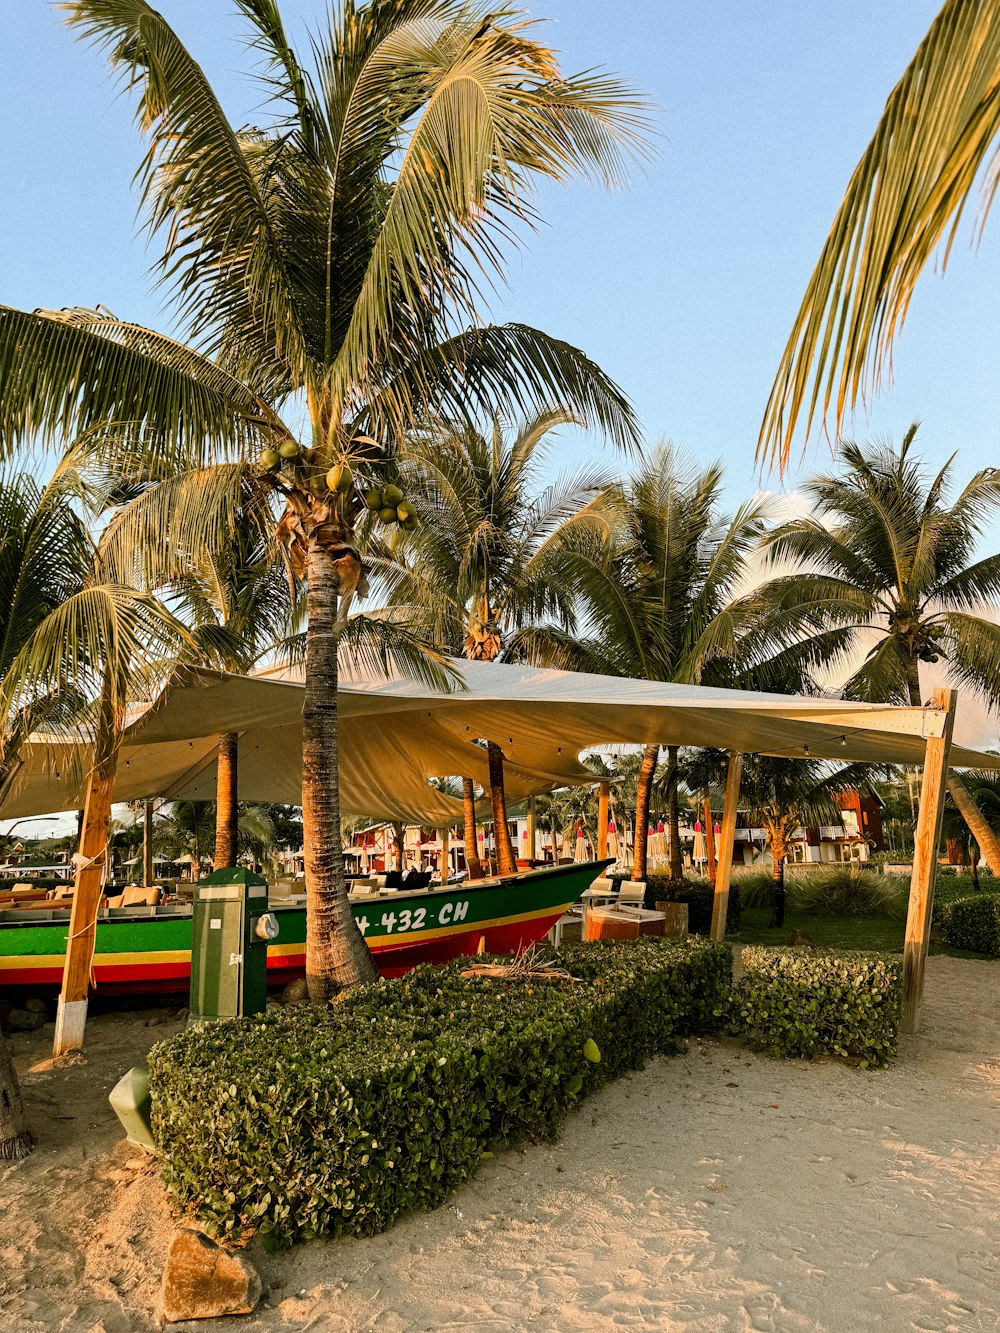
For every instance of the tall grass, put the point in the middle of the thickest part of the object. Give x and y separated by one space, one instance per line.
835 890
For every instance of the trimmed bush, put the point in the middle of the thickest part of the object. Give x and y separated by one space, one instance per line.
797 1002
699 896
307 1122
973 923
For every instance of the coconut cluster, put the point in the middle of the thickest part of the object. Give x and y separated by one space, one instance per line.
388 502
391 506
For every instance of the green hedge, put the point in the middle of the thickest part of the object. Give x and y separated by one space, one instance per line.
798 1002
7 882
700 898
973 923
307 1122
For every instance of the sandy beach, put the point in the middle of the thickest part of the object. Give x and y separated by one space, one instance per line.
716 1191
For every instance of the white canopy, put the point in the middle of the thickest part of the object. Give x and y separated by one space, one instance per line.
397 734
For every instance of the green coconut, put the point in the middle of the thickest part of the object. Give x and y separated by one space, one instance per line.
391 495
405 511
373 499
269 460
408 524
387 514
340 478
288 449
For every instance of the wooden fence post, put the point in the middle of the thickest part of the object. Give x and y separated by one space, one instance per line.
925 860
720 903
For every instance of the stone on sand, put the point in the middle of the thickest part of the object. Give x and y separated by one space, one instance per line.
201 1280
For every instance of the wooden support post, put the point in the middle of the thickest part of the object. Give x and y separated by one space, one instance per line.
445 855
147 844
925 860
71 1013
532 830
720 903
603 795
706 815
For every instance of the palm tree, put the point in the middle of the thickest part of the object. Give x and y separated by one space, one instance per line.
480 572
780 795
984 790
661 588
907 193
326 263
886 556
65 630
188 828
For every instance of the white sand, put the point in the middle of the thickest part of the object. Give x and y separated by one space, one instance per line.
714 1191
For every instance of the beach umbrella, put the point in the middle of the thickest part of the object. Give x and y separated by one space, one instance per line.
658 843
699 853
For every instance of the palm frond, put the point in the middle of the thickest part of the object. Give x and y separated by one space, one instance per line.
906 195
63 373
222 259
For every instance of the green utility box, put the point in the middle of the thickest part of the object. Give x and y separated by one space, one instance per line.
231 930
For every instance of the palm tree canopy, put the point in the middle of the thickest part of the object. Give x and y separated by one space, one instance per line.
482 565
68 627
661 580
338 252
889 553
908 192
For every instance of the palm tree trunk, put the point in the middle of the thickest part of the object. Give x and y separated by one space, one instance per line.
472 862
965 802
336 954
506 864
15 1139
226 790
643 788
673 815
398 836
778 853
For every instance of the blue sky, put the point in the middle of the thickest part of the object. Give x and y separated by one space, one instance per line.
683 287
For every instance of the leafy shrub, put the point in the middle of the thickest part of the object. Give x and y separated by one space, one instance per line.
699 896
950 890
309 1122
973 923
797 1002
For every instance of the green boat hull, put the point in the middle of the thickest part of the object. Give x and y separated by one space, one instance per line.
149 949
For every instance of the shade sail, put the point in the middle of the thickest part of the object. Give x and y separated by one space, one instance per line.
396 734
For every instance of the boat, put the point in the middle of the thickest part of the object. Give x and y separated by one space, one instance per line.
148 949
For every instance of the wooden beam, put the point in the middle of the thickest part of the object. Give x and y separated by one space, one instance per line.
147 843
925 860
71 1013
720 903
603 797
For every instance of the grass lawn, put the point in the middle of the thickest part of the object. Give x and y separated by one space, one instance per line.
832 932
